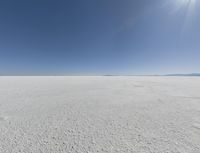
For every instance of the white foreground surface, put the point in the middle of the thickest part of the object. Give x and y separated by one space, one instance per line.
100 114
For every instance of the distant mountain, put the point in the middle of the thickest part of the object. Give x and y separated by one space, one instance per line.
191 74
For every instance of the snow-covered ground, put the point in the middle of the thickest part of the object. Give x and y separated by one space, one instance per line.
100 114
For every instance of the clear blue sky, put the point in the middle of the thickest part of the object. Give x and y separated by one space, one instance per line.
99 37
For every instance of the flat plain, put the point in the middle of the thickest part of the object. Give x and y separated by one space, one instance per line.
99 114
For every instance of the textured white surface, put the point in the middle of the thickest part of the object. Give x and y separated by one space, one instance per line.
100 114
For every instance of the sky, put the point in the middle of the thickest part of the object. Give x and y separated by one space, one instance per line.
98 37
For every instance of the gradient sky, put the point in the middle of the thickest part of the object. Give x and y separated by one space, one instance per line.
61 37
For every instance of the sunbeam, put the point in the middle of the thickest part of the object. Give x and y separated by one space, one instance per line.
188 5
189 13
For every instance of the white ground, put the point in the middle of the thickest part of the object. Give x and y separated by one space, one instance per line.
100 114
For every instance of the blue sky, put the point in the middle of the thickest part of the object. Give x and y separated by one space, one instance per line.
70 37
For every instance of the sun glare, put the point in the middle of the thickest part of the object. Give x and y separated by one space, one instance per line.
188 6
185 3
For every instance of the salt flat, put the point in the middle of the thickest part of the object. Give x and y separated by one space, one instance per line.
117 114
